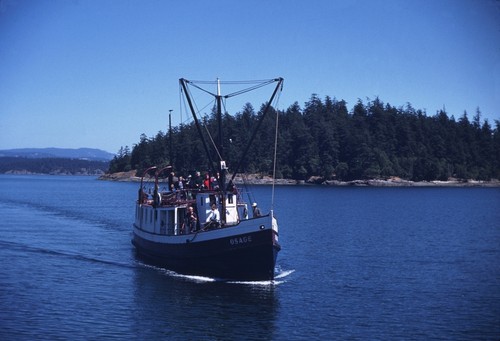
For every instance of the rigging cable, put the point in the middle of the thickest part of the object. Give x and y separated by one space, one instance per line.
200 88
247 188
258 84
275 147
198 112
214 145
236 93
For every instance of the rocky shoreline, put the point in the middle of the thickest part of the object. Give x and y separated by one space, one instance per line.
254 179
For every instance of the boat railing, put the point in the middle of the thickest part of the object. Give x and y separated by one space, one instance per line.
165 198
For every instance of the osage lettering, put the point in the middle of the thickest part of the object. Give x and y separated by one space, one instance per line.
240 240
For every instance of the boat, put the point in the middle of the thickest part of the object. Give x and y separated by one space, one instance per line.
207 230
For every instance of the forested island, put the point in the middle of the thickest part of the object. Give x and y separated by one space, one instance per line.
52 166
325 141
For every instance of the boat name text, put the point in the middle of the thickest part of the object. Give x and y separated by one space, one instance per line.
240 240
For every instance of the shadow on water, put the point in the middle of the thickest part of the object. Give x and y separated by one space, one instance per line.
173 306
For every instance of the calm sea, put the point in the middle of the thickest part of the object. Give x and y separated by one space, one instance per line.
356 263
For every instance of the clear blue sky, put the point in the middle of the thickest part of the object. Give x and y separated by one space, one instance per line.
98 73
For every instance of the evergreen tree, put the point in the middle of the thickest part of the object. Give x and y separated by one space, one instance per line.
324 139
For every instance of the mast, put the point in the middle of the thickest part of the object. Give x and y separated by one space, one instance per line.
170 136
220 144
221 177
219 169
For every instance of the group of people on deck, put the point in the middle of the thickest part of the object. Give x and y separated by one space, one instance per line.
195 181
213 219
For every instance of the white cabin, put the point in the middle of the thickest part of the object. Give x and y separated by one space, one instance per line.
169 219
235 212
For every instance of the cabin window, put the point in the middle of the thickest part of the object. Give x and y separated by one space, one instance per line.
213 200
163 223
170 222
230 198
181 213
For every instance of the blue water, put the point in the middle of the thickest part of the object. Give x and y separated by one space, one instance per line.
356 263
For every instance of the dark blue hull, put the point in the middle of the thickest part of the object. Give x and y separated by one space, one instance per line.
229 258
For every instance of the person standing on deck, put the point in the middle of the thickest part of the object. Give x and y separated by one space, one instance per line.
255 210
190 220
197 181
206 182
213 219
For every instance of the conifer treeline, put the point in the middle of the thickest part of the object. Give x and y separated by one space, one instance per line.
52 165
374 140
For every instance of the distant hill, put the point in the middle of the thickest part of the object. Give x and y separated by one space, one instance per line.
54 165
38 153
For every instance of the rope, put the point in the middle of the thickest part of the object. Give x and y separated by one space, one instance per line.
236 93
211 102
200 88
247 190
198 114
275 150
213 142
258 84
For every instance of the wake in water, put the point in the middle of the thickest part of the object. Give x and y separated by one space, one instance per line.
67 254
278 277
284 273
74 213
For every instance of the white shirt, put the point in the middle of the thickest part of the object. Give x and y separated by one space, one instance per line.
214 215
